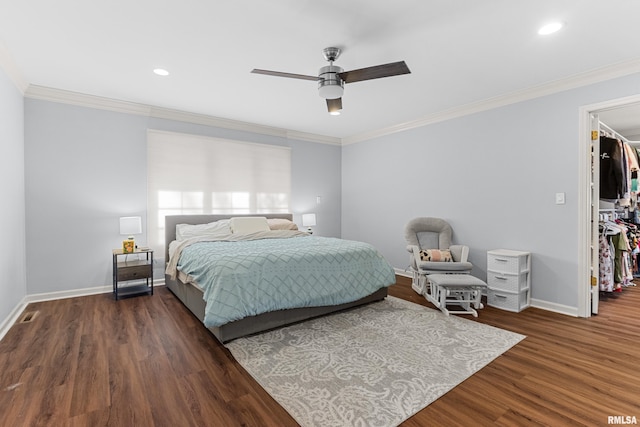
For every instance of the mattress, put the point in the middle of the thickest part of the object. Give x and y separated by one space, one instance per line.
250 277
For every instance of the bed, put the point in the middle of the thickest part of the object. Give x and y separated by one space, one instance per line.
192 294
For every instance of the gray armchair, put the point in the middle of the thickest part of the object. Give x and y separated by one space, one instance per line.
426 233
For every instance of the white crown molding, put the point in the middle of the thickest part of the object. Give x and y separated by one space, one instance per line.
98 102
202 119
312 137
11 69
572 82
83 100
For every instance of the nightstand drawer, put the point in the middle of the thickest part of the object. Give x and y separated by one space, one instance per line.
134 272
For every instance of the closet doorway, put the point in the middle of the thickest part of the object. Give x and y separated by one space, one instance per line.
623 116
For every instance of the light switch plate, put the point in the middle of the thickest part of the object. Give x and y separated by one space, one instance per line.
559 198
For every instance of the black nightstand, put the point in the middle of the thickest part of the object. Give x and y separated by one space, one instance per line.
133 270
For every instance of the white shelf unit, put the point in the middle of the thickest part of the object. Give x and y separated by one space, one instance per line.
509 279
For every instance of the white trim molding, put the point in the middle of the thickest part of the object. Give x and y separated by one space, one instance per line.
84 100
583 79
73 293
584 190
556 308
12 317
109 104
403 273
52 296
590 77
543 305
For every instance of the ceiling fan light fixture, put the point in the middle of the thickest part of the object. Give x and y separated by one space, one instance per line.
334 109
330 85
334 106
331 78
331 91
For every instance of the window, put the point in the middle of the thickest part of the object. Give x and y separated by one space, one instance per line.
190 174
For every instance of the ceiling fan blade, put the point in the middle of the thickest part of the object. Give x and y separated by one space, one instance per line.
375 72
280 74
334 105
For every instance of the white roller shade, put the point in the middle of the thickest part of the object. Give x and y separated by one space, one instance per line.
191 174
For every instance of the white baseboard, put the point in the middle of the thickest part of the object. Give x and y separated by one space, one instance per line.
543 305
403 273
50 296
556 308
12 317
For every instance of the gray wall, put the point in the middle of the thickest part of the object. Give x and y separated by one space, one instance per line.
86 167
12 250
493 175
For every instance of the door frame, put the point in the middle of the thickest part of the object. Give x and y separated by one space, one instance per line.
584 197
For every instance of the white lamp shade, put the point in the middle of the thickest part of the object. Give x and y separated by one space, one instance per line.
308 220
130 225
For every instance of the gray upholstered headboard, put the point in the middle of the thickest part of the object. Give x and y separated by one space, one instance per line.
171 221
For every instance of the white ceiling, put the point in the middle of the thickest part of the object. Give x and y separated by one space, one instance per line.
459 51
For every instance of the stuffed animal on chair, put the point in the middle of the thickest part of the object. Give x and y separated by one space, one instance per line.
436 255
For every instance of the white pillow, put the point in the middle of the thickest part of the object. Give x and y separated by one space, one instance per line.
248 224
281 224
212 229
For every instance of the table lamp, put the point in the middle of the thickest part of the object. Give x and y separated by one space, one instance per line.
130 225
309 220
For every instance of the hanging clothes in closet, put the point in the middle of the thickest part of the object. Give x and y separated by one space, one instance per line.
612 174
618 240
618 250
606 258
619 166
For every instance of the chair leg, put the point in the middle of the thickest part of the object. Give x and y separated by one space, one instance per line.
465 298
478 301
433 293
417 284
443 293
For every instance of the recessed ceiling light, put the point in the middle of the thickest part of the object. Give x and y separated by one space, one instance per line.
161 72
550 28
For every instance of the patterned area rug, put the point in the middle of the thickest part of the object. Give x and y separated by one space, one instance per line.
372 366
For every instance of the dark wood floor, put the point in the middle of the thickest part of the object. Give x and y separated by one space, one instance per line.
145 361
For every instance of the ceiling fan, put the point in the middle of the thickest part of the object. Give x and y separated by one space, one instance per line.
331 78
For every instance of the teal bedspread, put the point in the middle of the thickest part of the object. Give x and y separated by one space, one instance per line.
247 278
